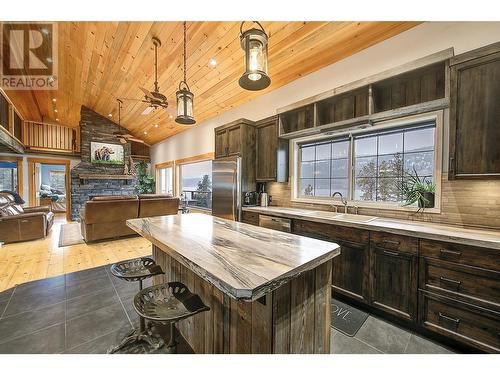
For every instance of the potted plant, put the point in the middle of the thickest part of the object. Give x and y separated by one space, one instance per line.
420 190
146 183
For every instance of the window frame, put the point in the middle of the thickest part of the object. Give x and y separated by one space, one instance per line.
19 161
158 168
408 121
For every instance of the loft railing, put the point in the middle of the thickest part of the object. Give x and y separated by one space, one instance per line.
50 137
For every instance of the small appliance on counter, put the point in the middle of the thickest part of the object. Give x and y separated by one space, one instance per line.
250 198
264 198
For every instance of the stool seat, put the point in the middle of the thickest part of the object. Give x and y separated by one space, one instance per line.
169 302
136 269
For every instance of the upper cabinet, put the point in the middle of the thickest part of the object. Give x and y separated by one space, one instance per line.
343 107
416 87
234 138
271 152
475 114
297 119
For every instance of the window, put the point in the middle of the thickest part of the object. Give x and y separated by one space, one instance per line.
366 166
324 168
165 180
196 184
57 180
8 175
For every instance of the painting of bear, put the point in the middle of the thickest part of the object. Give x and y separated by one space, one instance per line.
106 153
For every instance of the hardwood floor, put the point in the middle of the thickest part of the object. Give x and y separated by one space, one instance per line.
39 259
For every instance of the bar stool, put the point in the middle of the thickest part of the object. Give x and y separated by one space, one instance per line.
137 270
168 303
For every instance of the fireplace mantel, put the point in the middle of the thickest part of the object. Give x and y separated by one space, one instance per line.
98 176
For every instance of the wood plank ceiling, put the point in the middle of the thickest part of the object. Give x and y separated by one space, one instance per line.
102 61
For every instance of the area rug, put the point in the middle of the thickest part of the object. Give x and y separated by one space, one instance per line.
347 319
70 234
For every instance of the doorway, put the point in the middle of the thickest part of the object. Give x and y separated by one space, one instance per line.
49 184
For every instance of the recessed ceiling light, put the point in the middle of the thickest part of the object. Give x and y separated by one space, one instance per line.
57 119
110 115
170 116
156 125
55 110
145 133
54 100
212 62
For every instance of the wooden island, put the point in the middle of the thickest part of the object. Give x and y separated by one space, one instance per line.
268 291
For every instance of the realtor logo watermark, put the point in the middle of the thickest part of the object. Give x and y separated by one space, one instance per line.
29 56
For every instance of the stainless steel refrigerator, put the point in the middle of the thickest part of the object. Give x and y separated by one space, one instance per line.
226 188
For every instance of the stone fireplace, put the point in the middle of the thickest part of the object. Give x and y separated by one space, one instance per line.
86 178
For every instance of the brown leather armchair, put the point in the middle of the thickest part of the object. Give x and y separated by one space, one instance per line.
19 223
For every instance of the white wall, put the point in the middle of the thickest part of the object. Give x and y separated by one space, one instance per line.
415 43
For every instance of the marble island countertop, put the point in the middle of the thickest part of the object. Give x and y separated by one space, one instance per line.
433 231
241 260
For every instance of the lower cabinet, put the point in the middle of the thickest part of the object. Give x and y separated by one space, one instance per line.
445 288
393 280
351 270
464 322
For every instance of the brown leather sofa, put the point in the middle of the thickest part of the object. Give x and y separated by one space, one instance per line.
19 223
105 217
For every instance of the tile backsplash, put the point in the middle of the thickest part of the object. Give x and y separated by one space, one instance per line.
463 202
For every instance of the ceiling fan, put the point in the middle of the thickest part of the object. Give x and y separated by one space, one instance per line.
155 99
124 137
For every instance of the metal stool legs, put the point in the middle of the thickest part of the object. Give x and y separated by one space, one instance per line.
142 334
172 344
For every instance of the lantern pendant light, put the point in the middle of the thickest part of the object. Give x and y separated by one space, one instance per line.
185 97
254 43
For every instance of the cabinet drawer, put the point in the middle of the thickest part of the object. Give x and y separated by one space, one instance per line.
466 323
250 217
463 254
394 242
329 232
463 282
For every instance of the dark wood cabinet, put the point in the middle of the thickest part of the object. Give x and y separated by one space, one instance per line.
271 151
474 114
221 143
470 324
235 138
351 270
297 119
393 280
250 218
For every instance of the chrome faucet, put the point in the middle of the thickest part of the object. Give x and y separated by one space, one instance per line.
344 202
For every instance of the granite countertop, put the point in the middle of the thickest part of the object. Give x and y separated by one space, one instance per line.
242 260
420 229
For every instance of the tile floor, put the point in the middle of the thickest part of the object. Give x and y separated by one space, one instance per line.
89 311
376 336
81 312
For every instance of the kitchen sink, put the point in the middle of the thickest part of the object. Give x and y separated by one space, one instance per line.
344 217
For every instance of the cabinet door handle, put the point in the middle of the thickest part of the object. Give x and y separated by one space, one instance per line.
446 252
446 280
390 242
454 320
391 253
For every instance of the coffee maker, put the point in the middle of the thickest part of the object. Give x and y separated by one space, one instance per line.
250 198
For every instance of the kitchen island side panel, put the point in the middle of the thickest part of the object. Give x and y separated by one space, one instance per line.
294 318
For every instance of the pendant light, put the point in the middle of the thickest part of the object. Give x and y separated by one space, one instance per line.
254 43
185 97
